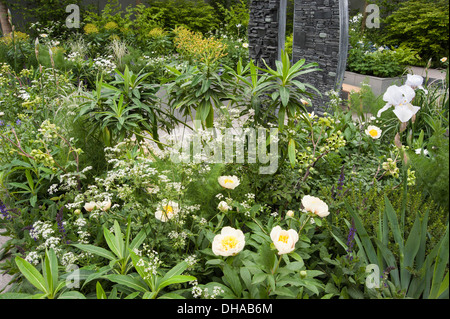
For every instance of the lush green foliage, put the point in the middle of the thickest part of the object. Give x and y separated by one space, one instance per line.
369 58
99 202
422 26
419 26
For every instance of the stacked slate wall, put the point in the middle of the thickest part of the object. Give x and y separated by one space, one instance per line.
263 31
316 39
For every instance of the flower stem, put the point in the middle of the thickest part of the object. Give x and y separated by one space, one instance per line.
278 264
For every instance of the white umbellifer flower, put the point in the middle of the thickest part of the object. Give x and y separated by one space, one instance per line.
284 240
419 151
32 258
68 258
53 189
229 182
400 97
90 206
415 82
315 205
167 210
229 242
373 131
223 207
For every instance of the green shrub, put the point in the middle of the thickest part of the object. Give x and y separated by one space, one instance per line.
47 15
195 15
432 173
421 25
377 61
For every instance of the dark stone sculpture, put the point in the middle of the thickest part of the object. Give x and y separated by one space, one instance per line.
320 35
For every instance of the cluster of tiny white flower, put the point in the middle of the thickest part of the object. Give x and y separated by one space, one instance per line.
83 235
191 260
179 238
149 265
104 64
68 258
33 258
43 229
74 57
52 189
24 95
198 292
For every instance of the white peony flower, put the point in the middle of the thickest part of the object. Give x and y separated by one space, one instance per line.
415 82
290 213
400 97
223 207
229 182
90 206
167 210
315 205
373 131
229 242
284 240
105 205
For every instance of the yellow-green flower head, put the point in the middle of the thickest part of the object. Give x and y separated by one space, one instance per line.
111 25
90 28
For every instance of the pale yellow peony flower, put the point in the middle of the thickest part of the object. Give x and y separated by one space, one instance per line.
229 242
284 240
229 182
167 210
90 206
105 205
315 205
290 213
373 131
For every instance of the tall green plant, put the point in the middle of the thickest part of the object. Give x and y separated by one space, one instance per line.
124 107
413 273
119 246
288 94
49 284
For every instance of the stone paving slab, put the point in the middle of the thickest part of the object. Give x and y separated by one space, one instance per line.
432 73
4 278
